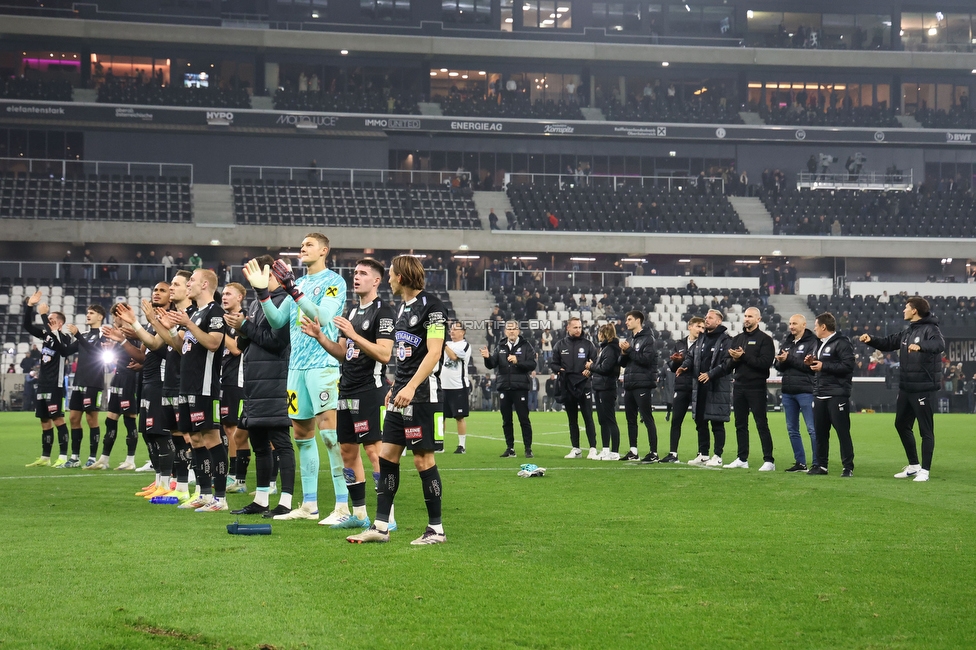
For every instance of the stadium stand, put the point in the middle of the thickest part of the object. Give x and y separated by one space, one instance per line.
512 107
699 111
957 117
101 197
605 210
861 116
347 102
21 88
352 204
129 91
871 213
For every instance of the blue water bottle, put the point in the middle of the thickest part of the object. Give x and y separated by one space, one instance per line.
165 500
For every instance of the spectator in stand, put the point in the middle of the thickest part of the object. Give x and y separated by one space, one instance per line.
151 262
179 261
492 219
89 263
195 262
66 267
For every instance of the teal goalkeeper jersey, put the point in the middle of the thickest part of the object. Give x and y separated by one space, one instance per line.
325 298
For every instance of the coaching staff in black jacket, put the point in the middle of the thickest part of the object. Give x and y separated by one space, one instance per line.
798 389
834 365
639 361
681 397
513 361
920 348
750 358
711 388
573 389
265 352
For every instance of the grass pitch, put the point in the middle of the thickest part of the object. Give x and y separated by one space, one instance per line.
596 554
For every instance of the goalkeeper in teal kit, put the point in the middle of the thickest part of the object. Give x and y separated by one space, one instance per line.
313 375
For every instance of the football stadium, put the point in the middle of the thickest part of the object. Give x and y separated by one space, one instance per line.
290 289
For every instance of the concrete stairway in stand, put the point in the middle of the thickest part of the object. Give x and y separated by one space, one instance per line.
473 307
753 214
213 205
485 201
786 305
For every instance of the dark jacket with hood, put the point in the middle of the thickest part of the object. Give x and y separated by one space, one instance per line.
920 372
265 352
640 362
797 376
569 357
836 377
605 370
512 376
709 355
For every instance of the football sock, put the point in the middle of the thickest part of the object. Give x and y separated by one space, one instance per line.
308 458
218 456
243 462
94 437
261 497
357 494
335 463
63 439
131 438
461 440
111 431
376 480
389 484
47 442
232 468
285 500
181 466
77 435
431 481
165 455
201 466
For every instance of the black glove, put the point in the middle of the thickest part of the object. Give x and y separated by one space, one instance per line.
286 277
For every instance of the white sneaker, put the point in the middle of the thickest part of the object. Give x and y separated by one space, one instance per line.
147 467
302 512
909 471
604 455
575 452
128 466
922 476
699 460
99 464
337 516
612 456
197 502
593 455
744 464
768 467
714 461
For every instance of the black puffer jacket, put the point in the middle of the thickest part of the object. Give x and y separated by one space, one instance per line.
797 376
640 362
836 377
605 371
512 376
921 372
709 354
752 368
264 353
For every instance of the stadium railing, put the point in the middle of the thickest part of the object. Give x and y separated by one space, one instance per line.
862 181
615 181
59 168
334 174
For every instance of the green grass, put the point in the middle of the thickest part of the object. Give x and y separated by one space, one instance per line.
593 555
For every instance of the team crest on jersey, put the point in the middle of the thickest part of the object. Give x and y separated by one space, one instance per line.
403 351
799 348
917 339
317 291
324 396
365 325
826 350
414 319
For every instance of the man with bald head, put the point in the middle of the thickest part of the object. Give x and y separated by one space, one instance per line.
798 388
750 358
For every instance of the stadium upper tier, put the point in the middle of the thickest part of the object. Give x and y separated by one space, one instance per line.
858 116
360 204
603 209
868 213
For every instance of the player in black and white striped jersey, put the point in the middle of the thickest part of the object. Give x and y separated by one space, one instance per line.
232 395
455 384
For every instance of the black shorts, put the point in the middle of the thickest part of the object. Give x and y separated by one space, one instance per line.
456 403
198 413
231 403
171 412
123 400
418 426
85 399
153 419
359 417
49 405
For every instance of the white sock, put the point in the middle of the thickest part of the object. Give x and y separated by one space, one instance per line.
606 450
62 457
392 518
74 456
312 506
103 458
342 507
91 459
461 439
381 526
633 450
130 459
261 497
359 511
45 458
182 487
273 487
159 479
438 528
592 450
285 500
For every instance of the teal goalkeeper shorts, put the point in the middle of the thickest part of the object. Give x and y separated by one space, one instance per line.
312 391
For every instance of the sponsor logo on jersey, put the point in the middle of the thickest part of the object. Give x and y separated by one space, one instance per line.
413 433
407 337
216 323
386 325
332 291
197 416
361 427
